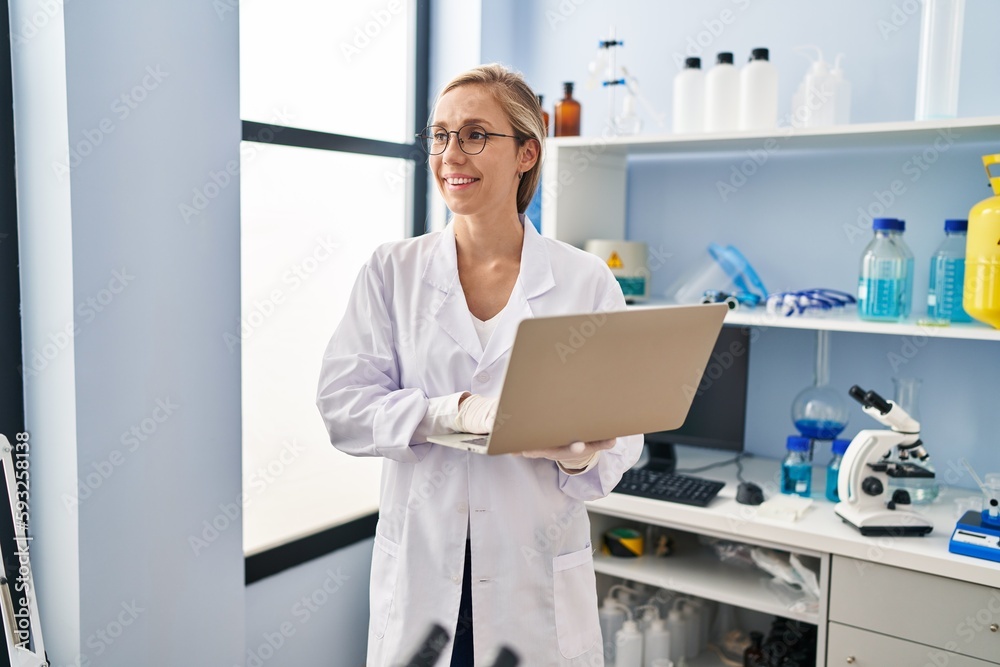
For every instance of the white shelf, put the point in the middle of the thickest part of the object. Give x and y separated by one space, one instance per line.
849 322
861 135
699 573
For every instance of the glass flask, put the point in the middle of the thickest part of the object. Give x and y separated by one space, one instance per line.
820 412
922 490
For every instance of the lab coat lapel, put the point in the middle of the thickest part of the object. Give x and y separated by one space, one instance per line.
450 309
533 280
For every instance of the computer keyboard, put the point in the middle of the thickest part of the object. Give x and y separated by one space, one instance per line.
667 486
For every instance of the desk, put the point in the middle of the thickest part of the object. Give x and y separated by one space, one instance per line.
909 590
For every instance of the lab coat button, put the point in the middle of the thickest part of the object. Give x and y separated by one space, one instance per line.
462 508
457 579
483 377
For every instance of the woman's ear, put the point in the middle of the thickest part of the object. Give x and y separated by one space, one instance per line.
528 155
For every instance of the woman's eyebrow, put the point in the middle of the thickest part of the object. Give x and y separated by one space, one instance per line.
467 121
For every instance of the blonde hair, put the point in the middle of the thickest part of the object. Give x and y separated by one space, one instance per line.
520 104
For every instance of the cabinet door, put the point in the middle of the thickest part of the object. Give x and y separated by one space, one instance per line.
860 648
948 614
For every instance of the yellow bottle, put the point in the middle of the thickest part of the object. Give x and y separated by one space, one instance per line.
981 294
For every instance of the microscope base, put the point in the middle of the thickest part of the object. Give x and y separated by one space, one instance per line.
874 522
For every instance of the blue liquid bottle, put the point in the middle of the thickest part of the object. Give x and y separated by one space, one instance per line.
885 284
944 298
833 470
796 471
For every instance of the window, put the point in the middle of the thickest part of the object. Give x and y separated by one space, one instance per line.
329 171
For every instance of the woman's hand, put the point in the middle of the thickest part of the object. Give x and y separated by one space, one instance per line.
476 414
575 456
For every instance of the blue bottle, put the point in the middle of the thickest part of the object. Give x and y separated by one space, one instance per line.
944 298
796 471
885 283
833 470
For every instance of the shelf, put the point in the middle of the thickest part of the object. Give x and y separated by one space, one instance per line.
699 573
861 135
849 322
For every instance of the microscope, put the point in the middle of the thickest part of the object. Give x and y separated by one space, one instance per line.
863 484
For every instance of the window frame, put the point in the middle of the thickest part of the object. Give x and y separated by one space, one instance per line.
297 551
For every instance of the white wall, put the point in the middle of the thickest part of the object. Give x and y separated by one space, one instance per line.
105 251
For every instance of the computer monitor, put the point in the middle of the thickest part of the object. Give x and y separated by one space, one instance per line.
717 419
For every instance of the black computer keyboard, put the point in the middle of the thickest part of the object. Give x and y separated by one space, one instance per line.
672 487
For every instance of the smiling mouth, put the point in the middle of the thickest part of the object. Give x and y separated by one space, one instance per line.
457 182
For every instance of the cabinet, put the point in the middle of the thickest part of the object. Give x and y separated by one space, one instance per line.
882 601
586 191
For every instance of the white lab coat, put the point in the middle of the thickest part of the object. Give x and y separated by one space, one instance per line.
408 335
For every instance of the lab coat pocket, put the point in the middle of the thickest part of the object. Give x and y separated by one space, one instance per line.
575 592
385 564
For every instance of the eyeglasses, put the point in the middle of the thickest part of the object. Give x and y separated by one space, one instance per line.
471 139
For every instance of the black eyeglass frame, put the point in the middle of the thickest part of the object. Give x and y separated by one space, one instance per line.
424 137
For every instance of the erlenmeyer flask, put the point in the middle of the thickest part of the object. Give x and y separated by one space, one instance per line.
820 412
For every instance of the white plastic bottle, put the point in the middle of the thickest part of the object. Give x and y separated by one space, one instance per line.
689 98
692 643
820 94
677 627
656 642
628 646
842 93
758 93
611 616
722 95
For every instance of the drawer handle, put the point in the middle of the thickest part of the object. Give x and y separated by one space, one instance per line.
850 660
995 628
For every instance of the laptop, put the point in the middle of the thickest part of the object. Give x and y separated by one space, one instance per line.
598 376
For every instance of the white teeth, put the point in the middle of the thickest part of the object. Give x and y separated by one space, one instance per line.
460 181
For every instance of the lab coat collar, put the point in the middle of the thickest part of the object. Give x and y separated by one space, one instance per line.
452 312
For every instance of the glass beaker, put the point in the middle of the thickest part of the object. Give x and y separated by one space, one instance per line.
922 490
820 412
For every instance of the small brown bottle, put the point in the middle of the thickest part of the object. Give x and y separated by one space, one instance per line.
753 656
545 115
567 113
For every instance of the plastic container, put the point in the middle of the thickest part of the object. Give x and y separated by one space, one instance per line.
656 643
981 297
689 98
612 618
758 93
796 472
940 59
677 627
725 269
628 646
722 95
693 616
885 283
944 297
833 470
842 93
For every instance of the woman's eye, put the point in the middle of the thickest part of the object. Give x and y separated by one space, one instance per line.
477 136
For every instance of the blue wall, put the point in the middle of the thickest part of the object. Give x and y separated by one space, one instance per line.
796 217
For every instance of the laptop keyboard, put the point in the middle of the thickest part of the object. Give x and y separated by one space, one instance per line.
476 441
671 487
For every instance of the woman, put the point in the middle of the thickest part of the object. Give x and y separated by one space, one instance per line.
422 350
